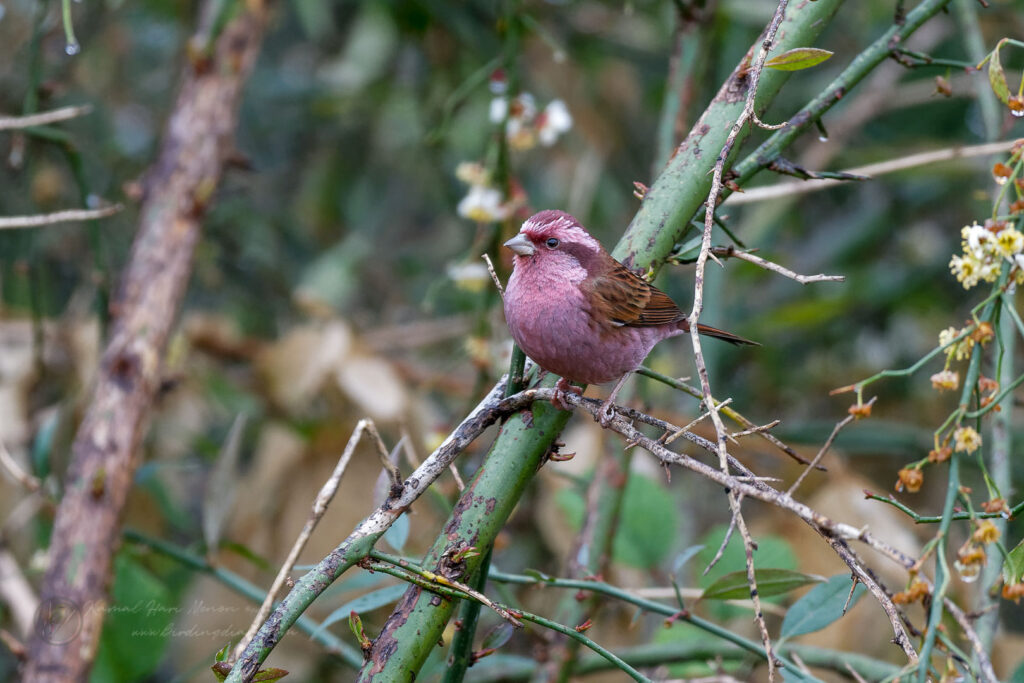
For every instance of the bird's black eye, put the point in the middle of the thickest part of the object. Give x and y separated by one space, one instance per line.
552 242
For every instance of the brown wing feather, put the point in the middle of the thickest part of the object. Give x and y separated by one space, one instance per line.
627 299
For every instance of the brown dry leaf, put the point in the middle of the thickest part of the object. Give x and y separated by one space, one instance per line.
297 366
374 385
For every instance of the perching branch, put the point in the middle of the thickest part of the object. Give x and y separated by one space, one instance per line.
86 530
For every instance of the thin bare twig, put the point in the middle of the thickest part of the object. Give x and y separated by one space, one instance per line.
323 499
753 77
984 660
679 432
494 276
759 194
824 449
386 460
755 430
43 219
732 252
43 118
721 548
19 475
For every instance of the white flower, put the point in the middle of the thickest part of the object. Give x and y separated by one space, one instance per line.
472 173
947 336
472 277
554 121
966 269
1010 242
977 241
499 108
483 205
524 107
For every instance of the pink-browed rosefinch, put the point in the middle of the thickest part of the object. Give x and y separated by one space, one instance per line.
579 313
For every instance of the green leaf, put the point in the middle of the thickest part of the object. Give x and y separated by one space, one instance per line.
497 636
648 526
772 551
1018 674
638 543
269 675
1013 568
798 58
248 553
684 557
997 77
223 654
398 533
138 623
734 586
365 603
222 483
820 607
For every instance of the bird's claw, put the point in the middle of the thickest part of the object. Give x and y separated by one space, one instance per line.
606 414
562 389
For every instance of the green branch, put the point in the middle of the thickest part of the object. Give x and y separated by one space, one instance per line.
860 67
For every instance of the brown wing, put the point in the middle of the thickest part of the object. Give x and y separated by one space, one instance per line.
626 299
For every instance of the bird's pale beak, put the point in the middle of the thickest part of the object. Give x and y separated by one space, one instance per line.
521 245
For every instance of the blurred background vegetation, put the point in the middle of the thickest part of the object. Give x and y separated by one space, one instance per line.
336 280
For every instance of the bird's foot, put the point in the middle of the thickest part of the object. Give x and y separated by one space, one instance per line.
562 388
607 413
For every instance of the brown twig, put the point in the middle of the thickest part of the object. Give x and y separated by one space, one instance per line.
755 430
752 77
732 252
835 533
40 220
323 499
198 140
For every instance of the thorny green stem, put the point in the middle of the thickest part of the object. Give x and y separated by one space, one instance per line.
910 370
860 67
405 571
462 645
1001 453
952 489
594 587
935 519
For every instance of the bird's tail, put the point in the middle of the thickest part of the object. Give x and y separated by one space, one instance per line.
720 334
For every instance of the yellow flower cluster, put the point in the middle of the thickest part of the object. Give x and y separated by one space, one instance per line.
985 247
959 350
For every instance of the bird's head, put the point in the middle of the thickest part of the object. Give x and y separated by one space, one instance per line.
556 238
